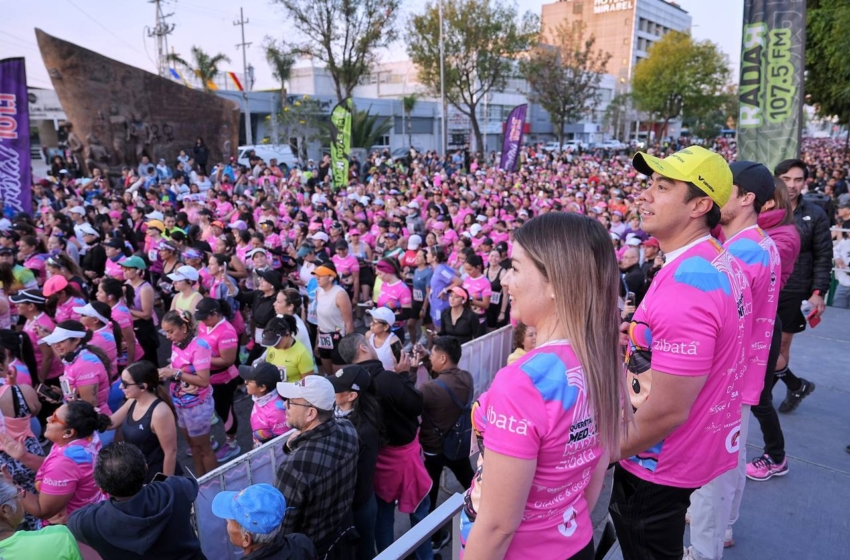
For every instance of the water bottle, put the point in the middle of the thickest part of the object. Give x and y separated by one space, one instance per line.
806 308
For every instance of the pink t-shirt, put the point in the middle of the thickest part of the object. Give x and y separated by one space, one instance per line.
24 375
268 418
692 322
104 339
85 370
221 337
195 357
121 315
47 323
345 266
537 409
65 311
478 288
760 260
69 469
395 296
114 269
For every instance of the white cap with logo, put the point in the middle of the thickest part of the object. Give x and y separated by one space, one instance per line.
315 389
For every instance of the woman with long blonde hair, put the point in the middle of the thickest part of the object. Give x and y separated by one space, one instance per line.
550 419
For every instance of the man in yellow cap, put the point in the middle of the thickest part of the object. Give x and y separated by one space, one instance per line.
684 357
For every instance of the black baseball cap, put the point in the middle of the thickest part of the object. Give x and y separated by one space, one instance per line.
263 374
28 296
755 178
272 277
206 307
115 243
274 330
351 378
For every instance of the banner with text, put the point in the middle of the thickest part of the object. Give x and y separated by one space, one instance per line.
341 142
512 143
15 170
771 85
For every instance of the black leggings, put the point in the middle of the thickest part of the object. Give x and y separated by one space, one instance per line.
435 464
223 401
148 337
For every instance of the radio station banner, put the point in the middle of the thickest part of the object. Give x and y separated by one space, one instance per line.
771 85
341 142
513 138
15 170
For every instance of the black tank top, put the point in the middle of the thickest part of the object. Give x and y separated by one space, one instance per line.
139 433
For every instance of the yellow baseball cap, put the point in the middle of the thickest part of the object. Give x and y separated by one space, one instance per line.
705 169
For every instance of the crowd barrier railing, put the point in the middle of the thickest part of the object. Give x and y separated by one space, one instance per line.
482 357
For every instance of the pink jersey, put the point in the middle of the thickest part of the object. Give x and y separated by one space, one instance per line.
195 357
345 266
69 469
537 409
86 370
114 269
121 315
221 337
759 258
692 322
268 418
478 288
24 376
104 339
65 311
48 325
395 296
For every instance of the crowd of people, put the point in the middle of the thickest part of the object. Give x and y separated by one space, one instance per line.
136 309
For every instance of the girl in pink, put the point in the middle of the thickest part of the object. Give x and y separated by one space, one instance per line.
38 325
268 417
549 419
114 256
129 350
65 297
21 358
189 372
395 294
97 318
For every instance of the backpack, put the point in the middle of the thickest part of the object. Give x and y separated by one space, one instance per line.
456 441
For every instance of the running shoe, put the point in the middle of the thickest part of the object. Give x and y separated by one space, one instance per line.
728 539
440 539
763 468
794 398
228 451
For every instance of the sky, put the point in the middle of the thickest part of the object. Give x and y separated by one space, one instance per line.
118 29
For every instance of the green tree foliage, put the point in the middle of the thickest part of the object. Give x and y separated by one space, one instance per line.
343 34
680 76
408 103
281 62
617 115
563 72
709 124
481 39
827 60
367 129
303 122
204 66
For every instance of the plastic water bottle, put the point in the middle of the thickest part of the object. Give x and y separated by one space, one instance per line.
806 308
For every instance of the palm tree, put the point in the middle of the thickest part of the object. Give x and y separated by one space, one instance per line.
408 103
281 62
205 66
367 129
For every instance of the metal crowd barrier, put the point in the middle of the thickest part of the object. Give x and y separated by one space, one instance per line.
482 357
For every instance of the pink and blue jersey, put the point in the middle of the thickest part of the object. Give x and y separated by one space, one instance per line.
65 311
478 288
395 296
537 409
692 322
268 418
69 469
121 315
86 370
195 357
104 339
221 337
760 260
46 323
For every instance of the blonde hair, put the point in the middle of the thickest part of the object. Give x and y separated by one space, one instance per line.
575 256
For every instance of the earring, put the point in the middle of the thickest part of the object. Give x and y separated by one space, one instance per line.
552 296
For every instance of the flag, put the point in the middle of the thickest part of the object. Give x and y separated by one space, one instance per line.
236 81
210 84
341 142
179 77
15 172
513 137
771 85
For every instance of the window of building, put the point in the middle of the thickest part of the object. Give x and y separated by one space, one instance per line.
642 25
641 46
385 140
578 8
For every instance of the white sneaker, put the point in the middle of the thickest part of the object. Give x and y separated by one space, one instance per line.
688 554
728 540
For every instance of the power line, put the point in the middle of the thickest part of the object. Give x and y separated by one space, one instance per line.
125 43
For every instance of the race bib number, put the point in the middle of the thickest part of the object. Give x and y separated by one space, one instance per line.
152 255
418 295
326 341
258 335
495 298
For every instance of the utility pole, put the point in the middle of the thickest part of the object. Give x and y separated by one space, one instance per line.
444 128
161 31
249 134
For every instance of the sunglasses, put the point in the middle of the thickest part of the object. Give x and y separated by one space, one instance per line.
288 402
57 420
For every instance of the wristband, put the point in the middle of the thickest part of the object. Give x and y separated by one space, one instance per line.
816 293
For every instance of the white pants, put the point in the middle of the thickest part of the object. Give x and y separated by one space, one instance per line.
714 507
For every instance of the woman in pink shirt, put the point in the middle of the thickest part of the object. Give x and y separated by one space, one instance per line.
111 292
395 294
38 325
63 297
478 287
106 333
550 420
268 417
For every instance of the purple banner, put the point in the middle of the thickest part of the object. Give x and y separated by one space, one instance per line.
15 170
513 138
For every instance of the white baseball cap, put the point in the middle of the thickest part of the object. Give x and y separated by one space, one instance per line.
89 311
184 272
633 241
475 229
414 242
59 335
315 389
78 210
87 229
155 215
382 314
320 235
413 205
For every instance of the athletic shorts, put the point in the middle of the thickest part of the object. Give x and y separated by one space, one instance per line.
789 312
197 420
330 342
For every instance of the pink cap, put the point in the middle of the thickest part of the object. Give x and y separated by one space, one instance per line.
114 214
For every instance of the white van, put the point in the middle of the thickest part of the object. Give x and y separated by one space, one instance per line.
281 152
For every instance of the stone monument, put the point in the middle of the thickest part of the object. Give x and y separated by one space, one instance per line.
121 113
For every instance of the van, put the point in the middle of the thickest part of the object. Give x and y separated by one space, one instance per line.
281 152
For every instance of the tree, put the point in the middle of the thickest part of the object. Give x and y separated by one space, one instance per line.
204 66
563 72
304 121
281 62
710 124
617 115
827 63
408 103
481 39
367 129
680 75
344 34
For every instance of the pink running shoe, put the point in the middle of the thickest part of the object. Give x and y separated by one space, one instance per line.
763 468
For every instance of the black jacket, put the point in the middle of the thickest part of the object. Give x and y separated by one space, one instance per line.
466 328
286 547
401 403
633 279
155 523
814 263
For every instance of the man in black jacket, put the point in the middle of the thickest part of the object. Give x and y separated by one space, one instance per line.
400 473
808 282
138 520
